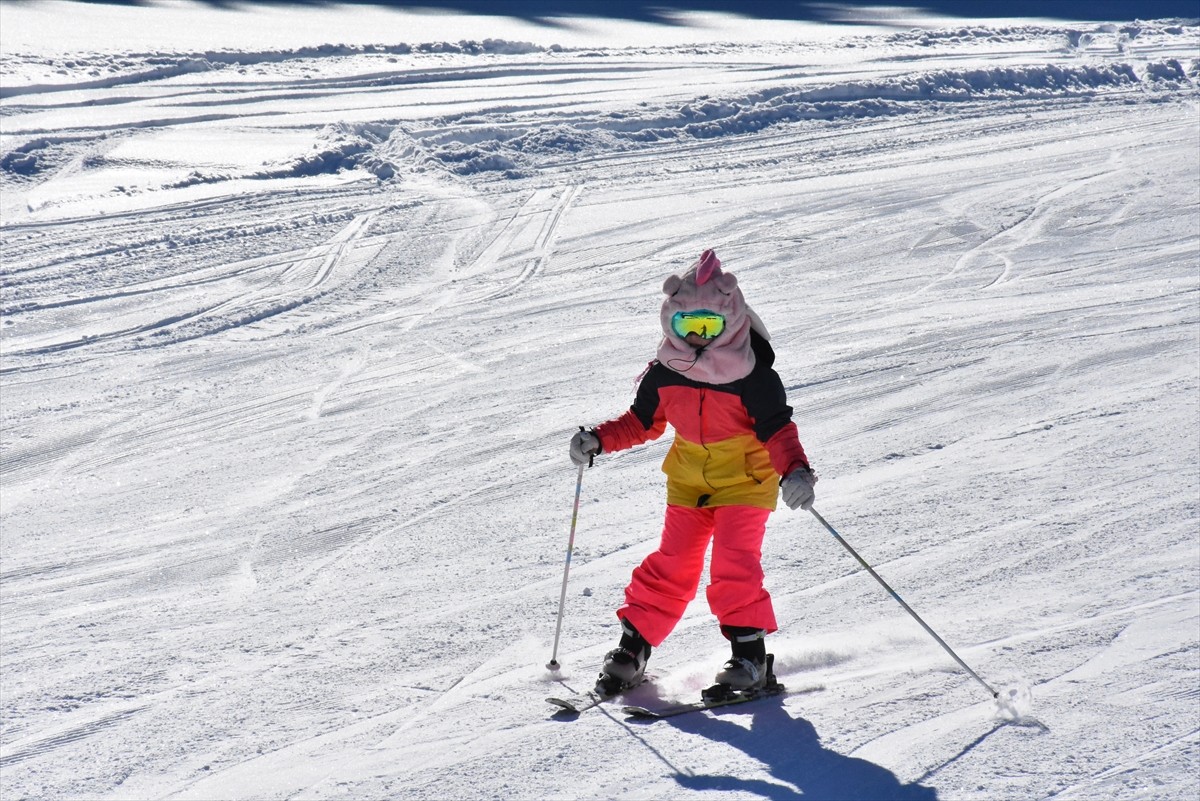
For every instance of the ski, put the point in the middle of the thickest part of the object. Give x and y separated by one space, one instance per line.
592 698
732 698
719 695
578 703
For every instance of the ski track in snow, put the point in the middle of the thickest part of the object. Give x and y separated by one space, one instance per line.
282 459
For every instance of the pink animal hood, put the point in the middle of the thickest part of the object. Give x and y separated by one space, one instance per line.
705 285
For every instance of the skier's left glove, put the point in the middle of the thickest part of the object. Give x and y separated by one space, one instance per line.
797 488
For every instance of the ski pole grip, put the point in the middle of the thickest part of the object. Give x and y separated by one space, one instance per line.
591 456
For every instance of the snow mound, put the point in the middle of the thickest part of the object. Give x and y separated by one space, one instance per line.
23 160
470 145
1014 704
30 74
338 148
344 147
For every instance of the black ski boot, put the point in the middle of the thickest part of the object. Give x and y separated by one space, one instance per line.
625 665
740 673
748 670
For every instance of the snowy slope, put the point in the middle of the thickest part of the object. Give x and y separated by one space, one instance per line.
294 332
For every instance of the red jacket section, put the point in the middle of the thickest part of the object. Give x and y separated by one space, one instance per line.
732 441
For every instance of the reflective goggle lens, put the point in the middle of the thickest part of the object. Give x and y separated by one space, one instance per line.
705 323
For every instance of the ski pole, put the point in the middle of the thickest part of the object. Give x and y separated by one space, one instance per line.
900 601
562 598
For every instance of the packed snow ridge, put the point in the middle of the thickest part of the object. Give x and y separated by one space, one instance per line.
473 144
107 70
510 145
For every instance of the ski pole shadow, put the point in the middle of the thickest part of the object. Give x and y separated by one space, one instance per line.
792 752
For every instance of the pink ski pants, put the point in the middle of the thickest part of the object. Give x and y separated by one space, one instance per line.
666 581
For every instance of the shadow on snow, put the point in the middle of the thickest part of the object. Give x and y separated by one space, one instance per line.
844 12
792 752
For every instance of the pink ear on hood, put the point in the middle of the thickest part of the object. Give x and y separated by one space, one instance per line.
707 266
726 282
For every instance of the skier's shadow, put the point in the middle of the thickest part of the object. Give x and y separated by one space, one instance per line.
792 752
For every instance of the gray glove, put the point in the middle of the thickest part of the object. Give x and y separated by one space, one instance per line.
584 446
797 488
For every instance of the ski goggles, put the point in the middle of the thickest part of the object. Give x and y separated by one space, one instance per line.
703 323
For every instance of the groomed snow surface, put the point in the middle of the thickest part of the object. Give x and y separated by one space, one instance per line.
294 335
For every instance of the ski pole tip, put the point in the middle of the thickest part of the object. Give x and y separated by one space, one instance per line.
552 665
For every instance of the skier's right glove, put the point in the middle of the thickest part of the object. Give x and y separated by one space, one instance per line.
797 488
584 447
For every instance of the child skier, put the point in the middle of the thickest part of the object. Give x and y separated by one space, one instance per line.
734 438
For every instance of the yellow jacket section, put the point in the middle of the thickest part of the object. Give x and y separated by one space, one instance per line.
732 472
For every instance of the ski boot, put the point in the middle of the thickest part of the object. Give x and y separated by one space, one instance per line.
743 679
749 671
741 673
625 665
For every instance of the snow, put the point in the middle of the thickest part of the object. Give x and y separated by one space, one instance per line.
301 305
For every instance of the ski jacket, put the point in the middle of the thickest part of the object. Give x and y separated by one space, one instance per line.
732 441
